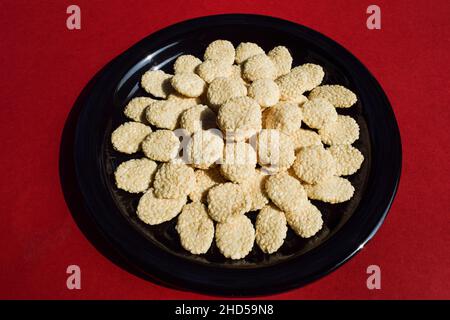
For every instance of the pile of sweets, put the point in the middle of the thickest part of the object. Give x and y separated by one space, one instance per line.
240 132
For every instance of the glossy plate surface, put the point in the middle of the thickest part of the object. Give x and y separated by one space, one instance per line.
156 249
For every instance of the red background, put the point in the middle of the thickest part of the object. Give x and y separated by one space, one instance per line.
44 66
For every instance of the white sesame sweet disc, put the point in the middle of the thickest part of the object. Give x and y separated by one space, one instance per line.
255 187
235 237
259 67
286 192
270 229
305 138
282 59
306 221
199 117
318 112
173 181
165 114
313 164
275 150
211 69
332 190
127 138
313 74
348 159
227 200
239 117
247 50
222 89
188 84
186 64
204 148
292 86
339 96
265 92
285 116
135 175
161 145
344 130
157 83
239 161
153 210
195 228
222 50
135 109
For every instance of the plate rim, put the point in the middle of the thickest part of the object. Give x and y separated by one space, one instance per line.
161 270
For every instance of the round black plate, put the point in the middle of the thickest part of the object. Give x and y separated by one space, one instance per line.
156 249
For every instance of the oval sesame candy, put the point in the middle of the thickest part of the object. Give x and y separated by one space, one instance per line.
313 73
152 210
292 86
127 138
318 112
270 229
188 84
222 89
332 190
265 92
306 221
282 59
165 114
275 150
247 50
285 116
344 130
348 159
186 64
313 164
211 69
157 83
235 237
227 200
239 118
259 67
286 192
135 109
304 138
239 161
135 175
161 145
255 187
199 117
195 228
204 148
173 180
339 96
220 50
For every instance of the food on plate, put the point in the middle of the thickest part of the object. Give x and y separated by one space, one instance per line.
127 138
135 175
270 229
236 132
235 237
195 227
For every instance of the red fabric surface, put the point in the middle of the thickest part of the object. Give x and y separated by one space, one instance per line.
44 66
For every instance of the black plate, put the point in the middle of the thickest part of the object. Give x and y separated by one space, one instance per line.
156 249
